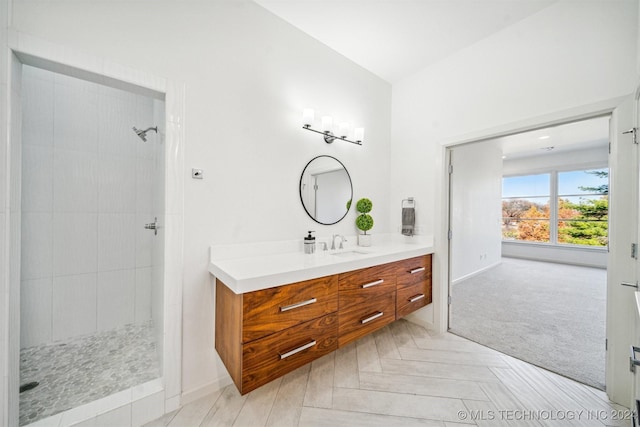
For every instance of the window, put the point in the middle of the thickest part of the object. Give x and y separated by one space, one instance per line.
525 207
566 208
583 207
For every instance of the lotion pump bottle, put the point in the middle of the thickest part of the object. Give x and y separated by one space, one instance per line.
310 243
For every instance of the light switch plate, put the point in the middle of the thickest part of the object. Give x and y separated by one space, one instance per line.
197 173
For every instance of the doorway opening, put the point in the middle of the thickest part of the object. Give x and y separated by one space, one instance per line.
91 275
528 253
160 394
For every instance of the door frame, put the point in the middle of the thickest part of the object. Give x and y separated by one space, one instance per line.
442 264
32 51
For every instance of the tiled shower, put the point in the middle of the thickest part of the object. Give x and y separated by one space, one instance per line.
91 273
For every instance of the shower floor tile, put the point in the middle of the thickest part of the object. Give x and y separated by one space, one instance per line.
85 369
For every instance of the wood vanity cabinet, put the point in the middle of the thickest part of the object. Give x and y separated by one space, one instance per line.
264 334
367 301
413 284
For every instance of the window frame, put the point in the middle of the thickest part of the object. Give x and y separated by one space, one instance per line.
553 206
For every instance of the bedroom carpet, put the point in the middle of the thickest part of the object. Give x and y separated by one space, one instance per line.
550 315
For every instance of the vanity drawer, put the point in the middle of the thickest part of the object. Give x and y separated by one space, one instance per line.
413 270
368 278
268 358
274 309
365 318
364 285
412 297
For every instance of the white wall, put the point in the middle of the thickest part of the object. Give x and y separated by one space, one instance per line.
248 77
87 191
568 55
476 195
557 62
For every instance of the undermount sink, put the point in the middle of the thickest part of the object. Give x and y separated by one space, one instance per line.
349 253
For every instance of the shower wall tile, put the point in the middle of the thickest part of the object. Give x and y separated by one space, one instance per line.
116 241
29 73
144 188
116 296
143 294
37 178
157 250
37 245
76 114
74 305
15 153
144 116
157 308
116 188
90 185
75 181
145 240
35 316
158 190
37 107
146 150
117 112
75 243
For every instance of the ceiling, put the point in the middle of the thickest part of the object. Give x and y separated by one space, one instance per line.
397 38
585 134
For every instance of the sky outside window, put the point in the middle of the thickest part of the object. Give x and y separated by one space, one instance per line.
569 183
526 186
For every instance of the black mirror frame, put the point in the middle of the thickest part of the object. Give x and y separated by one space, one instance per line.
300 189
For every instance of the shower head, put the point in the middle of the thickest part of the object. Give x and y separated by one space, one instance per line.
143 133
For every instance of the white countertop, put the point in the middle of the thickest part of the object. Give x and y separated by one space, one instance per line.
260 271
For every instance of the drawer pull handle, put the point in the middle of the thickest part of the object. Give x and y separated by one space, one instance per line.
370 318
416 298
298 304
297 350
417 270
377 282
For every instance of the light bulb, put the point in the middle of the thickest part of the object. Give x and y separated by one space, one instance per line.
307 117
327 124
343 129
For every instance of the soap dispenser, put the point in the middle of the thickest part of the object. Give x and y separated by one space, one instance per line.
310 243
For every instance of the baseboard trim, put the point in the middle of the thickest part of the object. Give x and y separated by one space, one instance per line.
475 273
197 393
419 321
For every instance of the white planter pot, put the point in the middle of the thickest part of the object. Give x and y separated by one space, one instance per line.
364 239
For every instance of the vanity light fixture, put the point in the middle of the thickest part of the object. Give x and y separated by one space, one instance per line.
327 128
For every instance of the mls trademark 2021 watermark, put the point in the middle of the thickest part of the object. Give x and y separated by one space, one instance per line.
546 415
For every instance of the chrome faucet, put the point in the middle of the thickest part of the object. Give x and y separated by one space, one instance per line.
333 241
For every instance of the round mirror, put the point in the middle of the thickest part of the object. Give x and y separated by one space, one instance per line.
325 190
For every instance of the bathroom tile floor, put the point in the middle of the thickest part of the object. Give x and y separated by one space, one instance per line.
85 369
404 375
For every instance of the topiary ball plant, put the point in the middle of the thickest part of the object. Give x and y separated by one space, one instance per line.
364 221
364 205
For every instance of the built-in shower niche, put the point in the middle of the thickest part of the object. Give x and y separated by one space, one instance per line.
91 272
